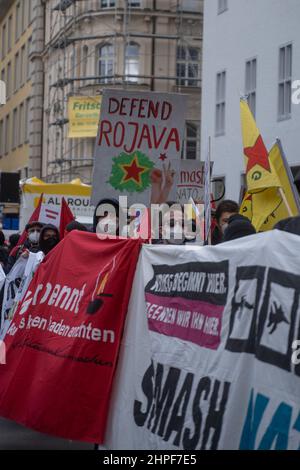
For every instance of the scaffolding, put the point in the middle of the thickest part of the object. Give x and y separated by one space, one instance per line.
64 37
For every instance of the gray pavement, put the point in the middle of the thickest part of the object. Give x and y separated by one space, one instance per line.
16 437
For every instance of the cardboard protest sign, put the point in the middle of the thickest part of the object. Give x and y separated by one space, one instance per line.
191 181
138 147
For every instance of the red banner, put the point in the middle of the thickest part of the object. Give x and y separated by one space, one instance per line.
63 343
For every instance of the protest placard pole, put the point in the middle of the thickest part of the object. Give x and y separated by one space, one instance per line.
283 196
207 195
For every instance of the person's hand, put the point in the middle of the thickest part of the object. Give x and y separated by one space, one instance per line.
156 176
25 254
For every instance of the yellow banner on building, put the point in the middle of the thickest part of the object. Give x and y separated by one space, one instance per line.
83 115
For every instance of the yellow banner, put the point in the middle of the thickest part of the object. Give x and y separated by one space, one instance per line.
83 115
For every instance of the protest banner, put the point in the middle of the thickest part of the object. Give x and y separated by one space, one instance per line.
206 357
83 115
191 181
15 287
138 146
63 342
11 287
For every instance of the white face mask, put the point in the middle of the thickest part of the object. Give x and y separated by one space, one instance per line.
34 236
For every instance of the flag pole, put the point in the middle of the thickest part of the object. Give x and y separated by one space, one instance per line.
207 196
283 196
289 174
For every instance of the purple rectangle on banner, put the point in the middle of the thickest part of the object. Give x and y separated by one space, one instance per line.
190 320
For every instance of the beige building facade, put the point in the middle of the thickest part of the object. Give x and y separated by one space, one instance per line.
21 69
151 45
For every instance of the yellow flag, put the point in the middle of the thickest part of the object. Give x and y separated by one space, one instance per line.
260 173
267 207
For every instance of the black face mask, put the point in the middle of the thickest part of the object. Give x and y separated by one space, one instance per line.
49 244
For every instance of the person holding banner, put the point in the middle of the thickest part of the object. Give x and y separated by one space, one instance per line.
33 230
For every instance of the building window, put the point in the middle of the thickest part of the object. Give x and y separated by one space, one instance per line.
106 63
7 134
220 103
191 141
8 80
190 5
23 66
28 57
9 33
19 21
21 125
1 139
285 82
132 62
108 3
188 66
15 133
250 84
84 61
134 3
17 71
29 11
26 131
3 46
222 6
72 65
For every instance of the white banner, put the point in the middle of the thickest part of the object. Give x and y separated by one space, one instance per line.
206 358
16 284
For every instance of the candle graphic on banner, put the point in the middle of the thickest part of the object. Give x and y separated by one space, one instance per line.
99 292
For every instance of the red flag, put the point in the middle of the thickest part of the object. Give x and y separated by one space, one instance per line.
66 216
34 218
63 342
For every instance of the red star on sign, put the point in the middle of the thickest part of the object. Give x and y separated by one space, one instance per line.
258 155
163 157
133 171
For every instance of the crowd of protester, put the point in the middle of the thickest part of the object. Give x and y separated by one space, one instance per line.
228 224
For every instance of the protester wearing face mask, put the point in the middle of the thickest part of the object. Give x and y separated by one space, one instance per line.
33 230
107 217
49 238
34 235
173 227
